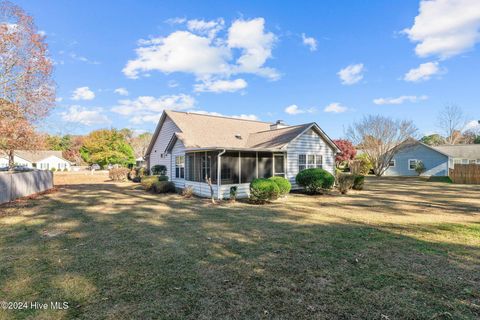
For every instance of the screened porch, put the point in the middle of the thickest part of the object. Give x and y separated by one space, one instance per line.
236 167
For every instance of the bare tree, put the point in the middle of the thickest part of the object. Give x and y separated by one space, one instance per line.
378 137
27 91
451 121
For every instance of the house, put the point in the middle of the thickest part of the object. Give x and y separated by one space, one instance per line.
40 159
233 152
436 159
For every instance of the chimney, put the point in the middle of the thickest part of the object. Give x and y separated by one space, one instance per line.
277 125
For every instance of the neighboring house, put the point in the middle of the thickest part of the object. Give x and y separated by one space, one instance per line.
140 162
436 159
193 146
41 159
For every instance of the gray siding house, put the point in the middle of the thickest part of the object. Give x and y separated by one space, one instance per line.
437 160
233 152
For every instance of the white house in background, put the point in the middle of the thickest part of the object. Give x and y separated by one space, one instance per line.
41 159
233 152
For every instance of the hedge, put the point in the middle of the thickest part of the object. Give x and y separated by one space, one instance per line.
263 190
283 184
315 180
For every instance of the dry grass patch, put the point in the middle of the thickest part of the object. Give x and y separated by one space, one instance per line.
401 249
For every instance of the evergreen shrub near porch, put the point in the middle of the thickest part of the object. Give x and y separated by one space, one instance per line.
283 184
263 190
315 180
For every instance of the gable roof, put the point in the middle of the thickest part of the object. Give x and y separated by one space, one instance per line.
37 155
411 141
201 131
463 151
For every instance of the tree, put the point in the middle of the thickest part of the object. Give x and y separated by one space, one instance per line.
433 139
451 121
27 91
107 147
378 137
16 132
140 144
347 149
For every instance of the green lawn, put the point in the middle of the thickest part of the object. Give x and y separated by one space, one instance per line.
398 250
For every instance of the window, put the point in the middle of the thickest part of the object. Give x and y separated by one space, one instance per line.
307 161
471 161
319 160
302 162
478 161
457 161
412 163
391 163
464 161
180 167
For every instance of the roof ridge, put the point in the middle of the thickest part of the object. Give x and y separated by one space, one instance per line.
284 128
216 116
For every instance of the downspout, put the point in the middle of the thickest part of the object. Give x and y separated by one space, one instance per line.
219 171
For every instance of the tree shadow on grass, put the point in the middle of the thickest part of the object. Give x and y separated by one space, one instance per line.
115 252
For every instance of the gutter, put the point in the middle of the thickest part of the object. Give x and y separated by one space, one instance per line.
219 171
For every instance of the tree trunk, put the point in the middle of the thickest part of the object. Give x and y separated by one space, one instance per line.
11 161
209 181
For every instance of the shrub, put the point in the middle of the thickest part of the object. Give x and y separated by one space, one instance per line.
263 190
148 181
315 180
187 192
162 178
132 174
358 182
163 187
65 170
361 165
141 172
53 169
233 193
118 174
137 179
283 184
345 182
159 169
445 179
420 167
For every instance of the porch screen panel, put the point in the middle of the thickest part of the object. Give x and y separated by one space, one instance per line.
265 165
189 164
229 168
201 164
248 162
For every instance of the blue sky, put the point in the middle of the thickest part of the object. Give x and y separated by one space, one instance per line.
331 62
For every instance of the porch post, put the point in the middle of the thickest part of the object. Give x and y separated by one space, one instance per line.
256 162
239 168
273 164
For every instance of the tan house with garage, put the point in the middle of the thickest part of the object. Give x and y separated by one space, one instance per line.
233 152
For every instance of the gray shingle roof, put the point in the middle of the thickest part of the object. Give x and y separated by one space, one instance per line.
461 151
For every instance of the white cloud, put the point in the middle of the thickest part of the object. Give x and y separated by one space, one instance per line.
88 117
351 74
310 42
294 109
58 99
77 57
335 107
149 109
83 93
445 28
121 91
424 72
209 28
221 86
473 125
202 52
399 100
172 84
240 116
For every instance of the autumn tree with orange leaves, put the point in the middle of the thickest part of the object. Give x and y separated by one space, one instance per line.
27 90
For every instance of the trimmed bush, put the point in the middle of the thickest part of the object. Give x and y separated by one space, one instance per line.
315 180
159 169
345 182
118 174
420 168
162 178
283 184
53 169
163 187
148 181
358 182
263 190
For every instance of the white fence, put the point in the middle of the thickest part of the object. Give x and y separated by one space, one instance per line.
21 184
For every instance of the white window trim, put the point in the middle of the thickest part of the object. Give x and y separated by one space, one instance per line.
315 164
179 166
416 160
